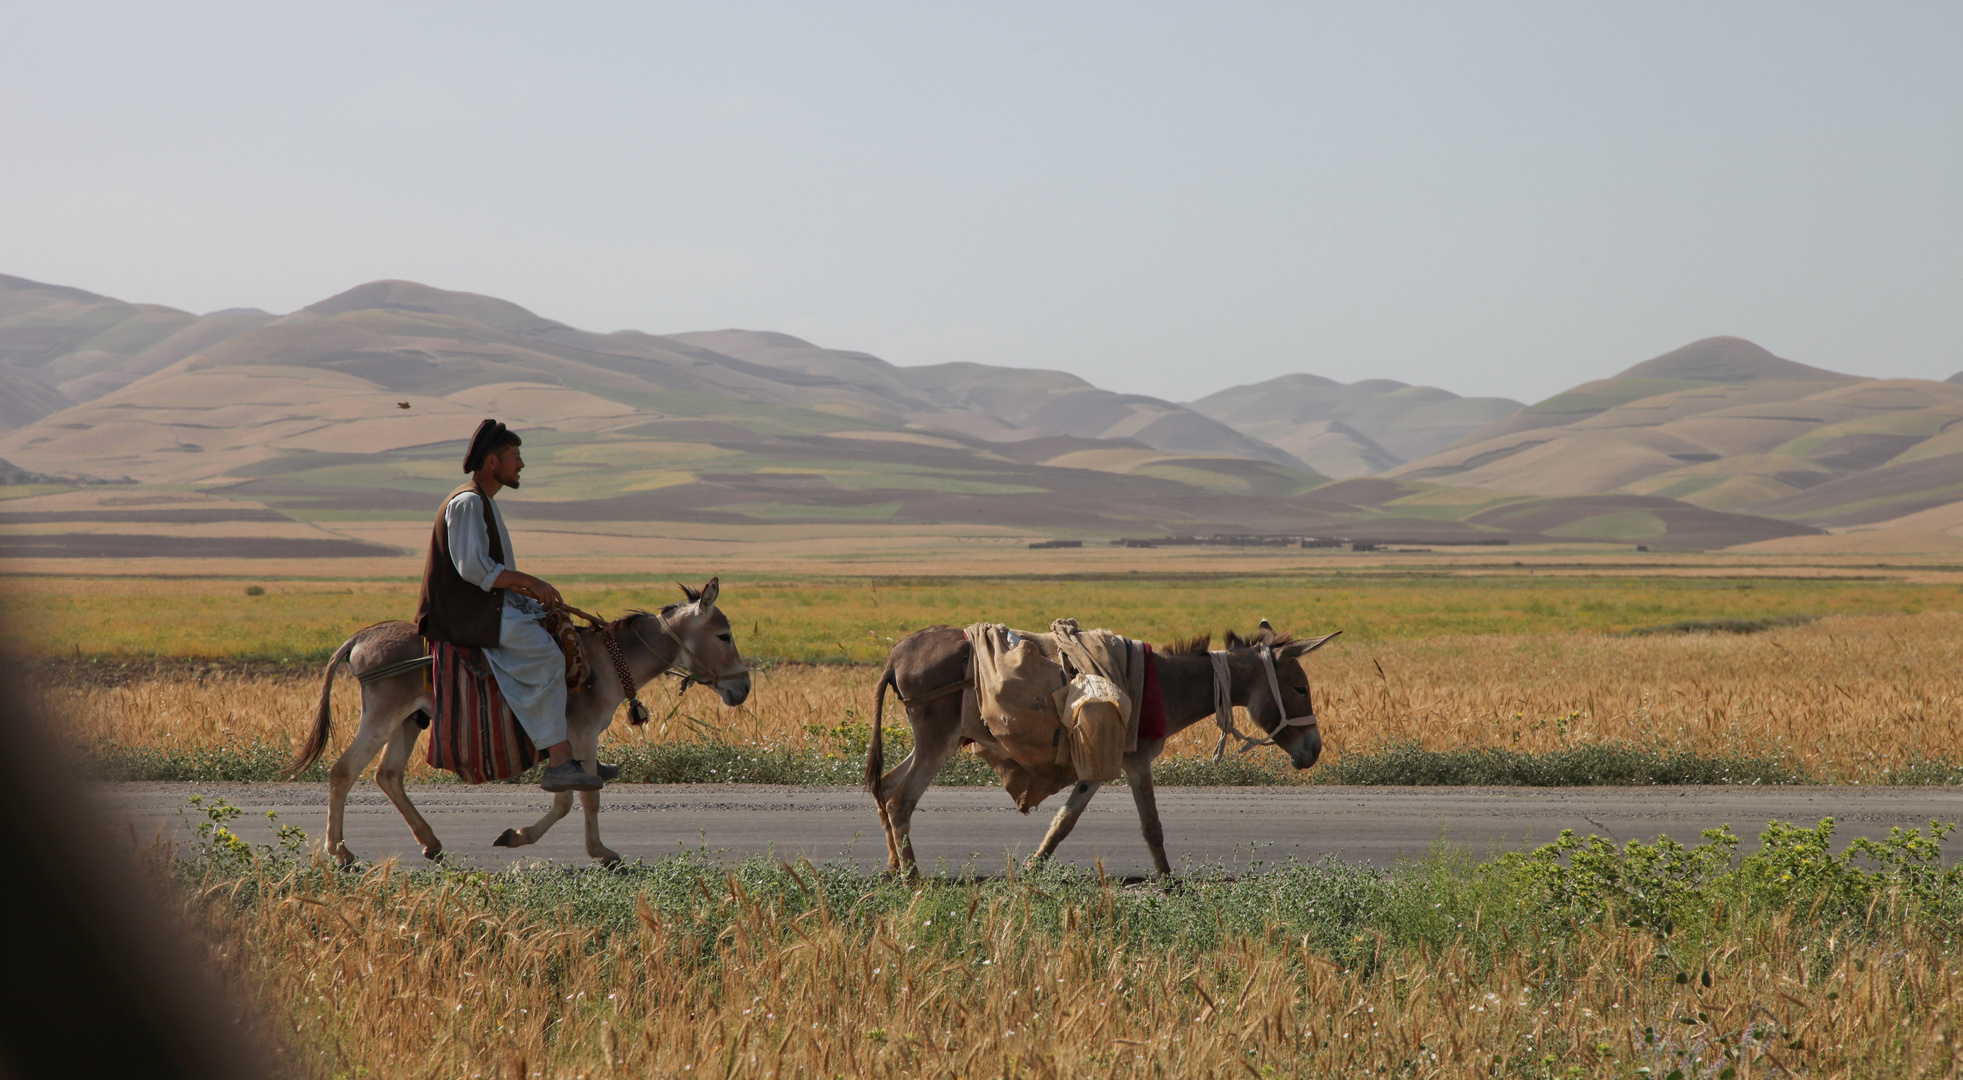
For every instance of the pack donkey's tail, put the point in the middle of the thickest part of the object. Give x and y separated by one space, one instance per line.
323 716
876 751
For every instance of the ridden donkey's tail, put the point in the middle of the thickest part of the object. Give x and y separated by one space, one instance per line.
876 751
323 716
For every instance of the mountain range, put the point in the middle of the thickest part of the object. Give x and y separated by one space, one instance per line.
353 410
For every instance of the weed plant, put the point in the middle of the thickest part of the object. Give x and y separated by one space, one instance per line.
1576 766
1578 959
1724 626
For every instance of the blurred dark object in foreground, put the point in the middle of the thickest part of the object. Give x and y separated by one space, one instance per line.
97 977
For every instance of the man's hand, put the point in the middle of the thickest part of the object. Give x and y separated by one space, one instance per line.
539 590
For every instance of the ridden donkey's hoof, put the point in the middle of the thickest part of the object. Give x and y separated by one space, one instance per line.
509 838
434 852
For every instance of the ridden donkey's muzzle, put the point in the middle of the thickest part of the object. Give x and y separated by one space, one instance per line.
734 691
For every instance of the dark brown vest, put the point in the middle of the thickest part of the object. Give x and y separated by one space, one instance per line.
452 609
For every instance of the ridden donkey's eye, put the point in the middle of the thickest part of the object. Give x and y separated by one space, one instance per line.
724 638
1302 690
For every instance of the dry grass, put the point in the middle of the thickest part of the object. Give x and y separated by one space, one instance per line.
1845 698
382 976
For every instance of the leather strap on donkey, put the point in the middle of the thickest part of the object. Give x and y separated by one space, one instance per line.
390 671
637 713
935 694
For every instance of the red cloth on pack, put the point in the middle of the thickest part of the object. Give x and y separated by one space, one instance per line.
472 733
1151 711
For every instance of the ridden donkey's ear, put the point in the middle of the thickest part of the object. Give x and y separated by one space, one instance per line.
1295 650
707 598
691 594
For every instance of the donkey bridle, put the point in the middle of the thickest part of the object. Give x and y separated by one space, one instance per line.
637 713
1223 703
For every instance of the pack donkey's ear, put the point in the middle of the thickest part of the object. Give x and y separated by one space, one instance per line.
707 598
1295 650
691 594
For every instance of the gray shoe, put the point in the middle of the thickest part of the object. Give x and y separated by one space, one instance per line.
572 776
606 772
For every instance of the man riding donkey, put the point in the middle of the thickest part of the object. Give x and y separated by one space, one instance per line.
475 597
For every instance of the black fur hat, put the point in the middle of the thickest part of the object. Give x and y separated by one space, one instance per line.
491 435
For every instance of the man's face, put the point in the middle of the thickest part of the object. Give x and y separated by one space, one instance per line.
505 465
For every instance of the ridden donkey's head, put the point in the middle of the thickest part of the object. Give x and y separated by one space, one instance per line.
708 650
1280 721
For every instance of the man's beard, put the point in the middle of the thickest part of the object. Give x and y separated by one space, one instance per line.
511 483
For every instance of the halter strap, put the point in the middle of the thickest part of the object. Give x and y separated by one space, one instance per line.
689 675
637 713
1223 703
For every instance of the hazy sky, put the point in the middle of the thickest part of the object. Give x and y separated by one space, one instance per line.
1167 199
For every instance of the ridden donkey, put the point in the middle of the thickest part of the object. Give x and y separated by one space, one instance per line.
693 632
928 666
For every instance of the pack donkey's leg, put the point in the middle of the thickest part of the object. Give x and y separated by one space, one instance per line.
1066 819
1138 773
389 775
936 736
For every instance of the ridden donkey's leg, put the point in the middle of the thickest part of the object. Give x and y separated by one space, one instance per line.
1138 772
1066 819
367 742
586 747
934 741
388 777
562 804
589 801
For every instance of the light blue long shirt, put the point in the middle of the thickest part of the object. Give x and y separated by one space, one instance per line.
530 669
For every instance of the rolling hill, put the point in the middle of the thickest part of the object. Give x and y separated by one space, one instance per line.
335 427
1358 429
1724 425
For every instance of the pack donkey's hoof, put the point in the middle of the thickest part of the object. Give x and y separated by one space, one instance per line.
509 838
434 853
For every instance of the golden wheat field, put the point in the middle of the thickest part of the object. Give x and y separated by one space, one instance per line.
447 978
1846 697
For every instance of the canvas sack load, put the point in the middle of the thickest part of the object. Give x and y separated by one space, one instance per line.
1095 714
1051 723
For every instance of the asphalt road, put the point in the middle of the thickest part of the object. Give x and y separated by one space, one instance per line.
979 826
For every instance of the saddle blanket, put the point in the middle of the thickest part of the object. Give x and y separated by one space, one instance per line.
473 734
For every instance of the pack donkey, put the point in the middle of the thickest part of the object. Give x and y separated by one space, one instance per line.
692 637
929 668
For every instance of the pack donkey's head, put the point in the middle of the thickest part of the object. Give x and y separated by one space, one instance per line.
708 649
1290 721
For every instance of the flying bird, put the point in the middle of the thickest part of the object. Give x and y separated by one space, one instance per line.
401 404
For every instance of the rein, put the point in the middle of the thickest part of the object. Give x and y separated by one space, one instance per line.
1223 703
